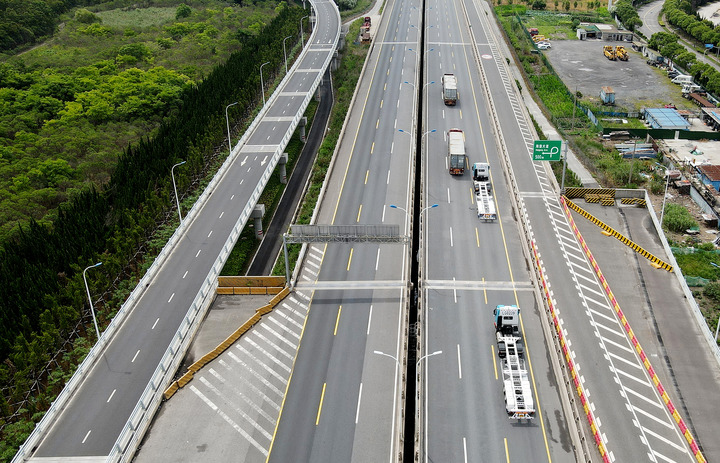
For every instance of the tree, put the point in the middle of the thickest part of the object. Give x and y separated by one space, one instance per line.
539 5
183 11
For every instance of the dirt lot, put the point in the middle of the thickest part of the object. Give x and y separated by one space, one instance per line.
582 65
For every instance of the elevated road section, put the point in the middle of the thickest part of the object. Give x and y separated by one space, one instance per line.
107 405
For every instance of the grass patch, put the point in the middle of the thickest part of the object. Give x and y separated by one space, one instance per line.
137 17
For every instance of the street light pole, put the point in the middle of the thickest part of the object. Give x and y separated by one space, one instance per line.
397 362
284 52
87 288
262 85
426 356
177 200
667 182
302 40
227 121
407 214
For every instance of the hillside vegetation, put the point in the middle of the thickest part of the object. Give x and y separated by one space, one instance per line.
90 126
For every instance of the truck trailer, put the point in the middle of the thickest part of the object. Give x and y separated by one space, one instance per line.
449 89
456 157
483 191
517 388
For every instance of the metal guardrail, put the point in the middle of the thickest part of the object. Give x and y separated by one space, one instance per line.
139 420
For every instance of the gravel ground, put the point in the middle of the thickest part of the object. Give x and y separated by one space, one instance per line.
582 65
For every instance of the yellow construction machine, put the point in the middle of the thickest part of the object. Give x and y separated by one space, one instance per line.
609 52
621 53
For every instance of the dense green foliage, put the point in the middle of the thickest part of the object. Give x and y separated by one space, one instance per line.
25 21
627 14
677 219
41 287
679 13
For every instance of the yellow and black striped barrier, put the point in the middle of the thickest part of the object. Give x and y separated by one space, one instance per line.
579 192
229 341
655 261
639 202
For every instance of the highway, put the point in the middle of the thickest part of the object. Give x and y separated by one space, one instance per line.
343 400
473 266
91 422
641 429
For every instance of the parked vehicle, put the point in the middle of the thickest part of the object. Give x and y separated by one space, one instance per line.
543 45
609 52
621 53
682 79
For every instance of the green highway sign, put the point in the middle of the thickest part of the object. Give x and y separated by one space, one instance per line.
547 150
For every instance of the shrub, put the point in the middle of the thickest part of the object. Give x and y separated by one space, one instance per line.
183 11
86 16
677 219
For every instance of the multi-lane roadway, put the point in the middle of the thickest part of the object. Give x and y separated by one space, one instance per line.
93 419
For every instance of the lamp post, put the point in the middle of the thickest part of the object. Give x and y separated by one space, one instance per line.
407 214
667 182
227 120
302 40
426 356
92 310
262 85
284 52
177 200
717 328
397 362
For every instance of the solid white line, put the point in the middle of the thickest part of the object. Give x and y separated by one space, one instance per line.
669 442
459 363
639 396
171 297
369 319
185 274
156 322
242 413
609 329
277 335
454 291
86 436
625 361
135 356
619 346
628 375
662 457
357 413
111 396
258 376
242 393
198 253
215 408
653 417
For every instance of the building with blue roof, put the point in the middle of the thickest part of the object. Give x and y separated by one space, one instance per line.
666 118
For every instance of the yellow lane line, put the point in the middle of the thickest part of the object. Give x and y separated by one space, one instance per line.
337 321
322 397
350 259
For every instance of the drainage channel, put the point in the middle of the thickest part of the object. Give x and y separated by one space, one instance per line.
411 399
